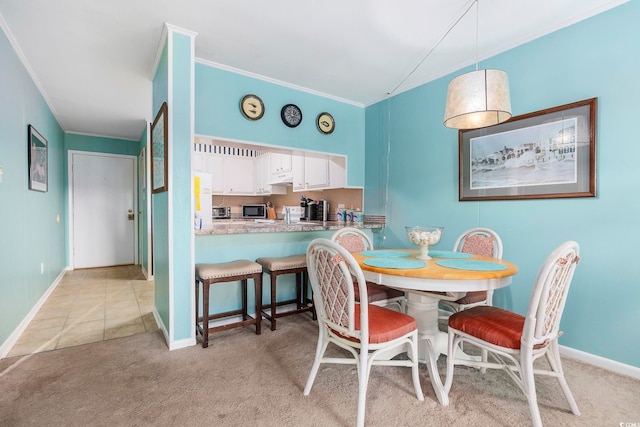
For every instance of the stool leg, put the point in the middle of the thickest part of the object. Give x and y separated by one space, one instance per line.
273 278
197 303
244 299
257 284
305 281
205 314
299 291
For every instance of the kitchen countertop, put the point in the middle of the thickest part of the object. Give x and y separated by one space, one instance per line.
278 226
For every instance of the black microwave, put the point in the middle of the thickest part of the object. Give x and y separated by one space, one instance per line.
254 211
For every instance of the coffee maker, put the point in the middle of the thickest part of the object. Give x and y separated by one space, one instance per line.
314 210
320 211
305 204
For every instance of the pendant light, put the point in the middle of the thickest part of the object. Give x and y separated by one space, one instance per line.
479 98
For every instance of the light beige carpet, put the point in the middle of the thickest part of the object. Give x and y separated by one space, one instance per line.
247 380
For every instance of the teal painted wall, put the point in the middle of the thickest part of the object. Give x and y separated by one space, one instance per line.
29 233
180 126
593 58
98 144
160 207
217 113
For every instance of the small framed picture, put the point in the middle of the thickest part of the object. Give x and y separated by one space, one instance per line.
38 161
159 150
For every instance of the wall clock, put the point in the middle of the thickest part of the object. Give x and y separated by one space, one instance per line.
291 115
252 107
325 123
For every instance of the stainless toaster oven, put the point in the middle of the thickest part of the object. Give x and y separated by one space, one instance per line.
221 212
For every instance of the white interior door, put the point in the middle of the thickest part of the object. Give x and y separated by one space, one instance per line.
103 209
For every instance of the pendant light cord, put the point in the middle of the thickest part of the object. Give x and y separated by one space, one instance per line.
477 30
387 209
386 185
442 37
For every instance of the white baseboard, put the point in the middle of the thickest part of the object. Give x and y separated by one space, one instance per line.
601 362
188 342
19 330
146 273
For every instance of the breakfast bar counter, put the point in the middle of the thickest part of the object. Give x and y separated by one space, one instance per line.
278 226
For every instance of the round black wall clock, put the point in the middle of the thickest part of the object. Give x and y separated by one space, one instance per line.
291 115
325 123
252 107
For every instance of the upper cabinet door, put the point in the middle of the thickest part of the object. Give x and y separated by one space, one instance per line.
238 175
214 165
316 171
297 172
280 163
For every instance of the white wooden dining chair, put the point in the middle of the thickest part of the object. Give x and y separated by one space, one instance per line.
514 341
355 240
477 241
371 334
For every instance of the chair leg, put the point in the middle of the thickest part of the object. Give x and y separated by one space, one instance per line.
553 356
529 386
363 377
320 349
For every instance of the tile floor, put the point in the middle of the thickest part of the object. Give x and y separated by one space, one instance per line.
88 306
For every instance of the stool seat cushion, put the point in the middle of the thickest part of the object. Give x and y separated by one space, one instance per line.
227 269
283 263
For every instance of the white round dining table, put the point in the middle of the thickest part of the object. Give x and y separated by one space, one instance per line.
427 285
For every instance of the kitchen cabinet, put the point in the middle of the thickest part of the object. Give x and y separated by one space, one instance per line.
248 171
210 164
238 175
297 172
280 163
263 176
318 172
214 165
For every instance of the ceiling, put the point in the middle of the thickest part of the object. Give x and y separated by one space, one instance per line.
93 59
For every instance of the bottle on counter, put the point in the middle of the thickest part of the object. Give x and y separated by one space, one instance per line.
349 216
341 213
357 216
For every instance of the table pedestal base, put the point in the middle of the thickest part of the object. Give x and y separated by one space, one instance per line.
424 308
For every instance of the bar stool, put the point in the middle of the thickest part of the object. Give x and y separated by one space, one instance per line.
209 274
294 264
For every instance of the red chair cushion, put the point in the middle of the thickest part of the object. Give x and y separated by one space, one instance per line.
384 325
491 324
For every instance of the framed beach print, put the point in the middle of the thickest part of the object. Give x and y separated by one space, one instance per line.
541 155
38 161
159 150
